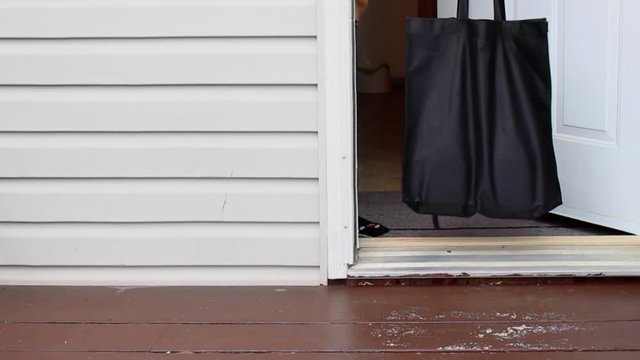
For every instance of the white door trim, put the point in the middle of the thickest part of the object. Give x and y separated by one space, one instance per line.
336 137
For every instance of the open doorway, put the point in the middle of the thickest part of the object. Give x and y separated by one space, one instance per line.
418 245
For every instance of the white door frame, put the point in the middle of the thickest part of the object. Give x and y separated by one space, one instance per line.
336 132
336 145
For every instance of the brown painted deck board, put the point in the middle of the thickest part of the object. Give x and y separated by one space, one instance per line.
321 304
415 337
598 320
622 355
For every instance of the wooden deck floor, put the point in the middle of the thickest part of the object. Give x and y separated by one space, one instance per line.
487 321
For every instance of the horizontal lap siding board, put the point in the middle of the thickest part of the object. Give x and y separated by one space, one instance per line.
119 244
159 137
158 200
154 18
268 108
174 155
158 61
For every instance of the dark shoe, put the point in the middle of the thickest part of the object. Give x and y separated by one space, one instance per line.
367 228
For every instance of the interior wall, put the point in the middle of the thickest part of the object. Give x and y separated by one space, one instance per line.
478 9
381 34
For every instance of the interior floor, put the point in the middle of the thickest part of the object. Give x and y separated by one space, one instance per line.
380 152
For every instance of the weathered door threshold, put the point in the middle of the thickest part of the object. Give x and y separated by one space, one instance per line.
498 257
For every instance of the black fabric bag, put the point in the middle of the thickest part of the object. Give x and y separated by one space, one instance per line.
478 135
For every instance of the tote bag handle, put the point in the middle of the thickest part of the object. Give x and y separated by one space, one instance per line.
499 13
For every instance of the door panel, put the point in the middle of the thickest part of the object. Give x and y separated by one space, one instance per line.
588 48
595 125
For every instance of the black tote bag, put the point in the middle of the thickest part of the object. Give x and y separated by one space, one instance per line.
478 135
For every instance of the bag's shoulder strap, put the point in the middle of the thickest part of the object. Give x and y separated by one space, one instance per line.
499 12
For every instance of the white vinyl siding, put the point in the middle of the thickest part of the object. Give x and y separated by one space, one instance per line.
267 108
172 155
159 135
156 18
201 243
159 61
163 200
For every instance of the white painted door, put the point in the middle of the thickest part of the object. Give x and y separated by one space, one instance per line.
594 60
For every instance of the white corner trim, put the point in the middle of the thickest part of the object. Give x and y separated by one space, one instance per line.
336 135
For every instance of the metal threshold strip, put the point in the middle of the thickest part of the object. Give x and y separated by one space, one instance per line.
498 257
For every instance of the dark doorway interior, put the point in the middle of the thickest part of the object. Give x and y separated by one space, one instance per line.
380 106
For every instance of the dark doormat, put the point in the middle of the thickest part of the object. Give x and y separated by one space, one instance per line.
387 208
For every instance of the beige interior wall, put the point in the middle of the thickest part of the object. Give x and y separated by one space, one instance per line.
381 34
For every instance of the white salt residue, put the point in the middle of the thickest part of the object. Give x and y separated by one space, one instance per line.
515 336
415 313
559 328
396 335
464 315
507 315
464 347
468 315
511 315
460 315
529 346
513 332
544 315
454 347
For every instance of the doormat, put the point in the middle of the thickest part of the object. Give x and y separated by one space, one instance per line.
387 208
